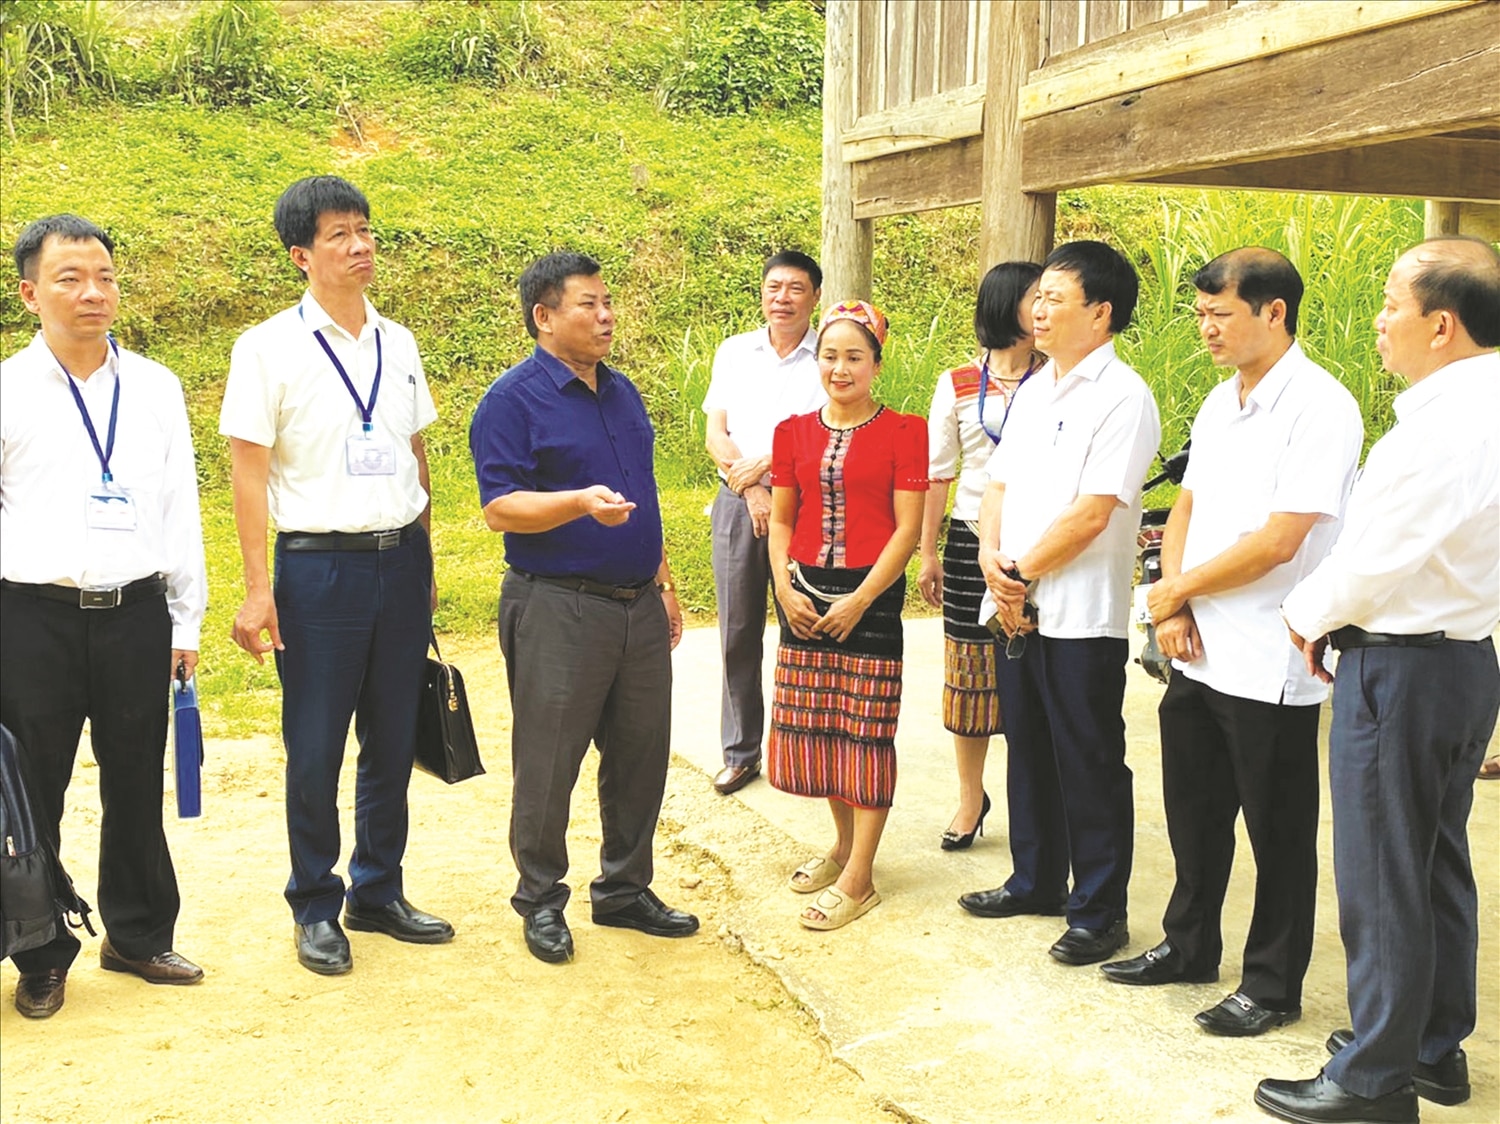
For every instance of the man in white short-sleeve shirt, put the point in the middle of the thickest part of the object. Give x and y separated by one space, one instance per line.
324 409
760 379
1057 530
1275 448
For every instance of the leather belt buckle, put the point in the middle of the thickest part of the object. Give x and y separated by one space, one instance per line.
385 540
99 598
624 593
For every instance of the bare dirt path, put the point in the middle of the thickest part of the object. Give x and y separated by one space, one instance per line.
635 1029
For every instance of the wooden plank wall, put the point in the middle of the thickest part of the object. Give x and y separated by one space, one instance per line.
907 50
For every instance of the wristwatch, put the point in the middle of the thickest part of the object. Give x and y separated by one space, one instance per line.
666 586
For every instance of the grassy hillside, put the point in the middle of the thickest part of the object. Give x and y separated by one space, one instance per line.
671 142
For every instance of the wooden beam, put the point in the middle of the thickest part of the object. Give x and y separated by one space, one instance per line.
1482 220
1435 75
922 179
1424 168
1183 46
1013 225
1439 217
951 115
848 244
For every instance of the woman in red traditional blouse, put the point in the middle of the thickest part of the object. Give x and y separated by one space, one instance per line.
848 485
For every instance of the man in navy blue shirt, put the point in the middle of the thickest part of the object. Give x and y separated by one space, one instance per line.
562 447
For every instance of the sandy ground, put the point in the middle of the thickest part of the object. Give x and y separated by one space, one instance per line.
918 1012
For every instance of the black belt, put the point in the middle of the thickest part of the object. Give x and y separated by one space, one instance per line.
348 540
113 598
587 585
1352 636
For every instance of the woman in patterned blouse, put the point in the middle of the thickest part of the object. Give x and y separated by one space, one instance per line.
848 486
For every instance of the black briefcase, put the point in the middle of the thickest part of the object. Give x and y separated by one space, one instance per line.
446 747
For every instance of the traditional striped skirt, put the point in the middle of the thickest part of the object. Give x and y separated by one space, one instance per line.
971 703
833 715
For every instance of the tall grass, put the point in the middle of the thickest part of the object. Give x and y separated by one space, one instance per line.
48 49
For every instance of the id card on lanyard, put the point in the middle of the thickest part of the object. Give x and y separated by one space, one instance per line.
366 453
108 507
984 382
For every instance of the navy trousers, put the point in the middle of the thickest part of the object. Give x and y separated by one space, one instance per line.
1410 727
581 669
742 580
60 664
355 625
1221 754
1070 792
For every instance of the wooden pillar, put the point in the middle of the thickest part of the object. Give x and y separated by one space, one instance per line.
1013 225
1441 217
848 243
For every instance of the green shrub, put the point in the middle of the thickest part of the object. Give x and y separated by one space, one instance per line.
224 54
740 55
48 49
491 43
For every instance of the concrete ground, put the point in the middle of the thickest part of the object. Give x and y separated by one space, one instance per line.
952 1018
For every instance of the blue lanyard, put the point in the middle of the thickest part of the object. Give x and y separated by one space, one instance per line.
366 413
984 383
107 450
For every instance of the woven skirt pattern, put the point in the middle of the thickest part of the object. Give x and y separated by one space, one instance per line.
971 702
835 707
963 586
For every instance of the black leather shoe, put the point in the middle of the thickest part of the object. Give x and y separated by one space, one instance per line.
1239 1016
164 968
1445 1081
39 995
398 919
548 937
1162 965
1080 945
323 948
1002 903
732 778
647 914
1320 1100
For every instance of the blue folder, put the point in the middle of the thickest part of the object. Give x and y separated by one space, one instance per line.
187 737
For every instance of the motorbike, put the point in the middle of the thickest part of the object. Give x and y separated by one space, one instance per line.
1148 564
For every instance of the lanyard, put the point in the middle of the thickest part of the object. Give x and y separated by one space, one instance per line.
366 413
984 382
107 450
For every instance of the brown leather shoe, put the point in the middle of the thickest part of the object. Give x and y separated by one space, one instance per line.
732 778
163 968
39 995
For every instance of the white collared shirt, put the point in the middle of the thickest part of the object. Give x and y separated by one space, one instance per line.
1293 447
48 468
1420 547
758 389
284 393
1091 433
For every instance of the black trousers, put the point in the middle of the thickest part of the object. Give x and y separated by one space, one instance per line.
1220 755
583 669
60 665
1410 727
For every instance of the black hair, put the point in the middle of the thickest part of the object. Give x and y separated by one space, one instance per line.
996 320
1103 274
875 345
1467 285
298 209
1258 275
794 259
68 228
545 279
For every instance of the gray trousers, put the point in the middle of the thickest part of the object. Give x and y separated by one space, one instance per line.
584 668
1410 727
742 580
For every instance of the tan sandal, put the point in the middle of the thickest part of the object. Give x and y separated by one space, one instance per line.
838 909
1490 770
817 874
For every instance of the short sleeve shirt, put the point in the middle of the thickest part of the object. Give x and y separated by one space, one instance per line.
1292 447
284 393
1091 433
959 444
757 389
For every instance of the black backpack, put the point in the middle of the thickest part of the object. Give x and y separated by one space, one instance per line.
36 894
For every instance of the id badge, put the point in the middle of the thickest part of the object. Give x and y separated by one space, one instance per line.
110 509
370 454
